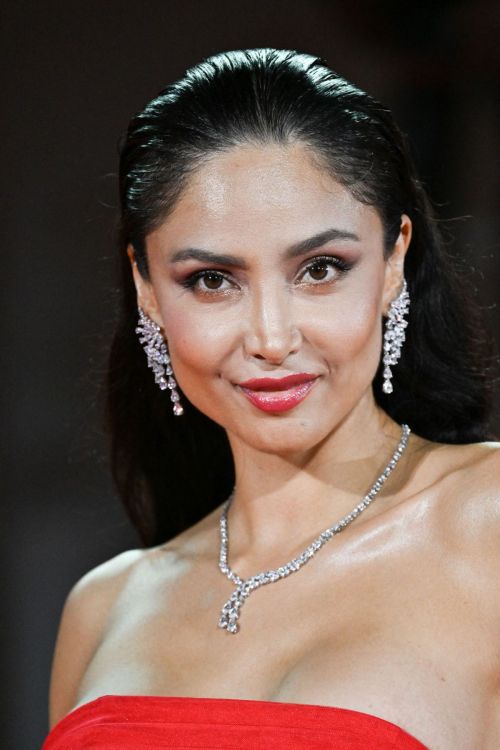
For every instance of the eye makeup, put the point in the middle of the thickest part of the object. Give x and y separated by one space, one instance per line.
331 261
213 278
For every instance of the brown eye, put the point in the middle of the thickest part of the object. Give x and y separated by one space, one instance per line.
212 280
318 272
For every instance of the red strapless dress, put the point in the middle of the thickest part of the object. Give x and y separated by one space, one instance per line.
114 722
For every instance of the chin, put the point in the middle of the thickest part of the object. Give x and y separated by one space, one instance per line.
284 437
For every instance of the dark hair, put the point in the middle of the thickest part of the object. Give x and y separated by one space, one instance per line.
171 471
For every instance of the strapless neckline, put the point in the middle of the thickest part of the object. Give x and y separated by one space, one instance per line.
111 720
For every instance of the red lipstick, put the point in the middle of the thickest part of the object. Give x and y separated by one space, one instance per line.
278 394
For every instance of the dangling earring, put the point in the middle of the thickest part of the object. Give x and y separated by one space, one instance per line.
158 359
394 334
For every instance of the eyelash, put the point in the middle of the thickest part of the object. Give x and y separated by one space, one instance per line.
342 266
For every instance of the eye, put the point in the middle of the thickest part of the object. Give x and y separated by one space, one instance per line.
319 271
324 270
207 281
212 280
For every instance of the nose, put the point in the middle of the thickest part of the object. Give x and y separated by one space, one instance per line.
271 333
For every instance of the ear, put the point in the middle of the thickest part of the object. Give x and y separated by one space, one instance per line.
145 293
394 268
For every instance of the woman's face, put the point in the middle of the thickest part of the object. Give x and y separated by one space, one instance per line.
268 268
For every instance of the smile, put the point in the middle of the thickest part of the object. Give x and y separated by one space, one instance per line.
278 394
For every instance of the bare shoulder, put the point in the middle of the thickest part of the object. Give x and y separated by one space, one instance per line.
481 476
469 498
99 597
475 471
83 622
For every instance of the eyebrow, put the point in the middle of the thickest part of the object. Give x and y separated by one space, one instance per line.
295 250
318 240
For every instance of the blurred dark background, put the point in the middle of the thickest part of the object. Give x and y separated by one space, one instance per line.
73 75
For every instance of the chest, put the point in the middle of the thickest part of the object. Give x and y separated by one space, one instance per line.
376 633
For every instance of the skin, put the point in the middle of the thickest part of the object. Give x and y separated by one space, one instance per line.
399 615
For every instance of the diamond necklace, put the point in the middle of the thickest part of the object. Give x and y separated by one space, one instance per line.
231 609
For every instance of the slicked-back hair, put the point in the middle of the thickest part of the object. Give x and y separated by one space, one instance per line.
170 471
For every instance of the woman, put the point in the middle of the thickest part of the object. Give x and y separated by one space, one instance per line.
284 272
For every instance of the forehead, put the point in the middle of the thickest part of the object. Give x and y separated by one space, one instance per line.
269 191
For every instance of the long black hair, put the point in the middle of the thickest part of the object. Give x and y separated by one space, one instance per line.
172 471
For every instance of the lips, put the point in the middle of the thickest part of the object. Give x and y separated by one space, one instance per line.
278 384
278 394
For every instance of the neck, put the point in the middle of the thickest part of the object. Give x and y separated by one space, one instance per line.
282 502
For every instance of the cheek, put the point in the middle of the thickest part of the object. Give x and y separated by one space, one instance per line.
343 337
199 344
350 336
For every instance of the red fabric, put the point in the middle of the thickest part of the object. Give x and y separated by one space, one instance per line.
143 722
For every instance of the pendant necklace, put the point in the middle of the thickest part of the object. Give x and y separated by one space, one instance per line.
231 609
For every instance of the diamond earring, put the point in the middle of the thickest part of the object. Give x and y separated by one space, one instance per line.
158 359
394 334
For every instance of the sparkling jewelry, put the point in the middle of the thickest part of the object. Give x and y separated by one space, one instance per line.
158 359
231 609
394 334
